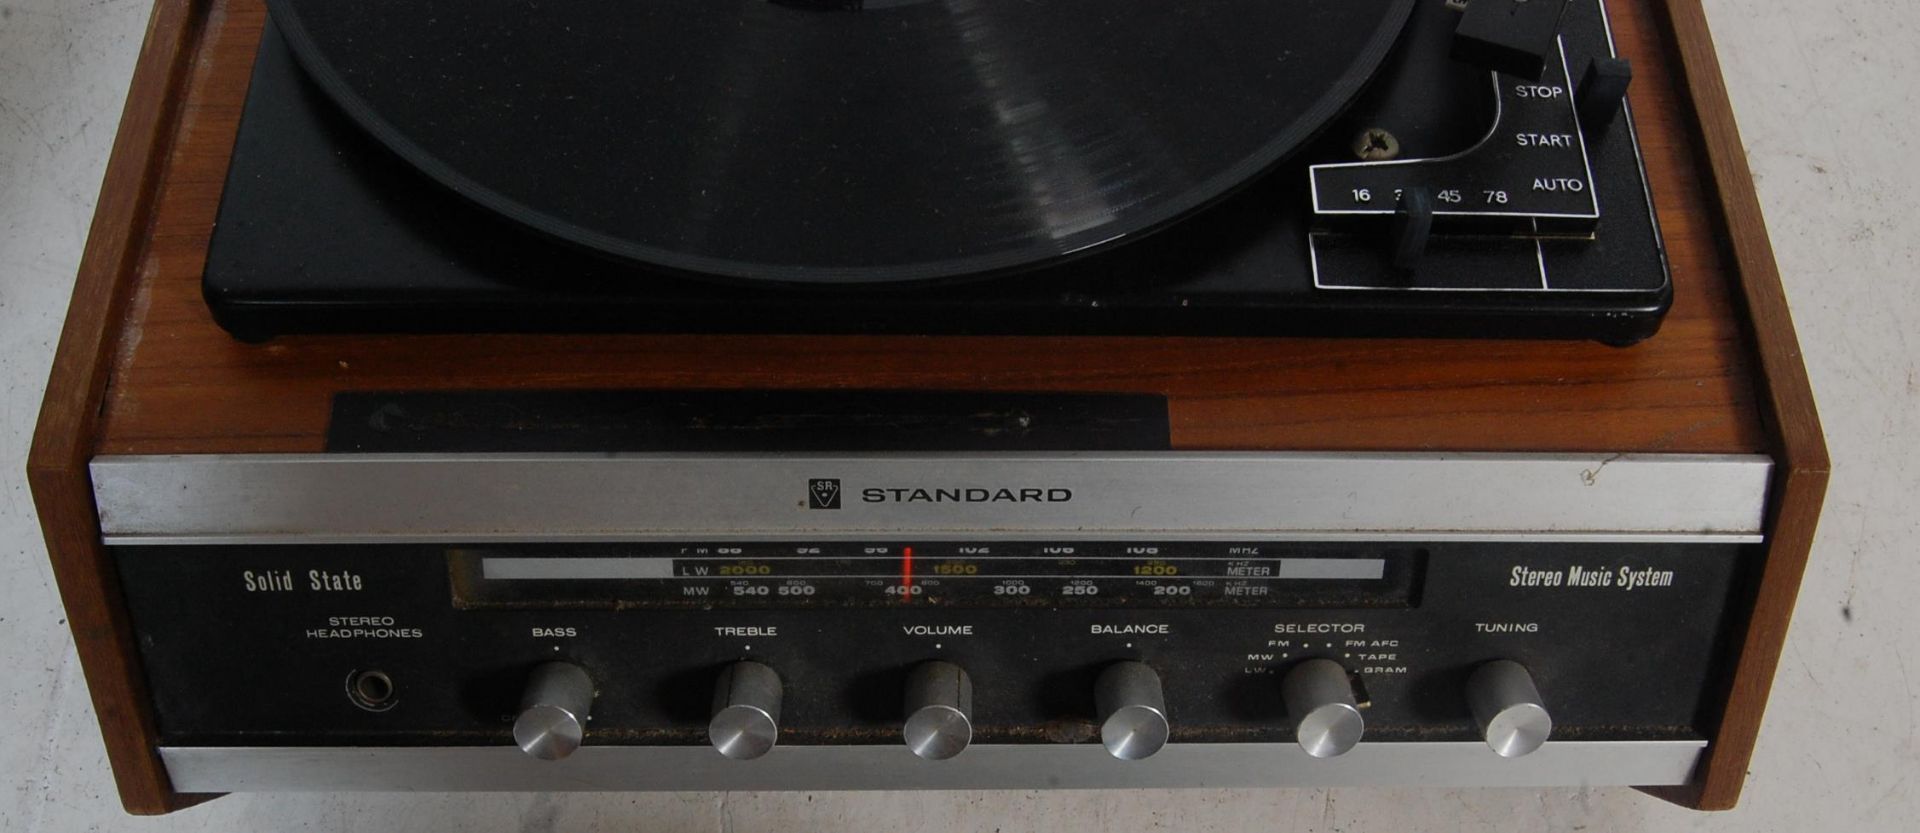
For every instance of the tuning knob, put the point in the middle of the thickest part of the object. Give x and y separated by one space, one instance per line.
1319 698
1508 708
939 710
1132 709
746 711
553 711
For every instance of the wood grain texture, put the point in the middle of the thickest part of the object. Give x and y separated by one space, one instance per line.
181 385
69 415
143 369
1791 420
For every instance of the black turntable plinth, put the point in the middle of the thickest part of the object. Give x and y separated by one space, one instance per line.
1327 168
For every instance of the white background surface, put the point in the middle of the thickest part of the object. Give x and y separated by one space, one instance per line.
1825 92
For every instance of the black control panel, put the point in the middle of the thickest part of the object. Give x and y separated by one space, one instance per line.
1531 173
437 645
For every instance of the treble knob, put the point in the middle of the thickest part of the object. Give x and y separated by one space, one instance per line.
1319 699
1132 710
939 710
1512 717
746 711
553 711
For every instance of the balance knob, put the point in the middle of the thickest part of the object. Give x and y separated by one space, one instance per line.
939 710
553 711
746 711
1508 708
1319 698
1132 709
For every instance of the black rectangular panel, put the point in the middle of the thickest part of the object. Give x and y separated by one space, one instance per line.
601 421
252 645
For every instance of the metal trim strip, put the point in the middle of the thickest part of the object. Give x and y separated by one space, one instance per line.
895 767
1218 495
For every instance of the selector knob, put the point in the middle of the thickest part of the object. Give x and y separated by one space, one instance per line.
553 711
1319 699
746 711
1132 709
939 710
1505 703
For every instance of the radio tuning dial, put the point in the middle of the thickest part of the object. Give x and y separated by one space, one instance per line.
939 710
1508 708
1319 700
553 711
1132 709
746 711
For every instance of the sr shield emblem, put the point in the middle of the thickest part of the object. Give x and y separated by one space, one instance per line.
823 493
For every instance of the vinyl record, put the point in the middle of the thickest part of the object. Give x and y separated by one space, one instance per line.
835 141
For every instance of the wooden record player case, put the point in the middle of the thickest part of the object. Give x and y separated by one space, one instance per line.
142 369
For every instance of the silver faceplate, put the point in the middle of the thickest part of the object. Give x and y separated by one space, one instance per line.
895 767
1185 495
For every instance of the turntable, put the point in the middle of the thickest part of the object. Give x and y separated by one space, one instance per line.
1359 168
927 394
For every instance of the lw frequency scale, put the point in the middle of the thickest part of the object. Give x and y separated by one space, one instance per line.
828 395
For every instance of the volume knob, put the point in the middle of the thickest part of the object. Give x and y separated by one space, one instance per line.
746 711
939 710
1132 709
1505 703
553 711
1319 699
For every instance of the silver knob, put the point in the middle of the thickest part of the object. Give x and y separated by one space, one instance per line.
1132 709
1319 698
553 711
1508 708
746 711
939 710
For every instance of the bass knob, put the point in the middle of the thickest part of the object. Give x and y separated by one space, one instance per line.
553 711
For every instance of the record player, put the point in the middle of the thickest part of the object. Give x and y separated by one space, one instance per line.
927 394
1359 168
